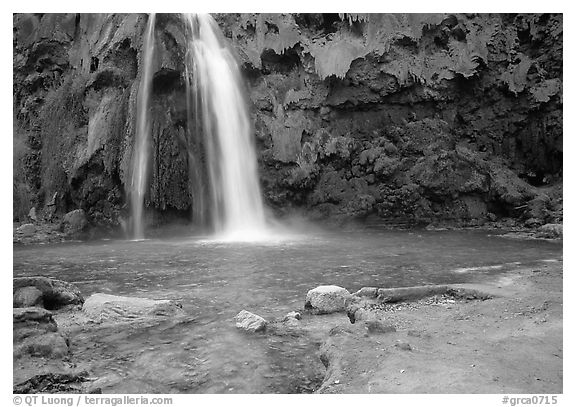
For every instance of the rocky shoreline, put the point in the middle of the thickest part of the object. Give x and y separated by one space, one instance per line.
501 336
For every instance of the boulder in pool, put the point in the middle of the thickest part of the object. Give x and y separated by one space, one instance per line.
113 308
55 293
326 299
250 322
74 222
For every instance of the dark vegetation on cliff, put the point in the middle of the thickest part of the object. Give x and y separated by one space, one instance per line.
411 118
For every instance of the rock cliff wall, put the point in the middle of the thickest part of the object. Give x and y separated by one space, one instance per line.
408 118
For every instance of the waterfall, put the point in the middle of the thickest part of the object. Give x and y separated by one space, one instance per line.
141 153
237 211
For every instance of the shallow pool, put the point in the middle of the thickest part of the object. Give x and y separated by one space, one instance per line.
214 280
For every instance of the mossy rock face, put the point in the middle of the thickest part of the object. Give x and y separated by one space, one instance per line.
399 116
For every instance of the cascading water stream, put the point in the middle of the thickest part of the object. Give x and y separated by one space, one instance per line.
141 154
236 203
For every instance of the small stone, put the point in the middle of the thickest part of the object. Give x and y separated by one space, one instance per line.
402 370
250 322
293 315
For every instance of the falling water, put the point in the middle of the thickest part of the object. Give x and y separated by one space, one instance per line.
237 209
141 148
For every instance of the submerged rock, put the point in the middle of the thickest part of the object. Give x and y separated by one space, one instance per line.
105 307
55 294
250 322
326 299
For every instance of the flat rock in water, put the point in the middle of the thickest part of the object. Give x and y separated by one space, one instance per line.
105 307
250 322
326 299
55 293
